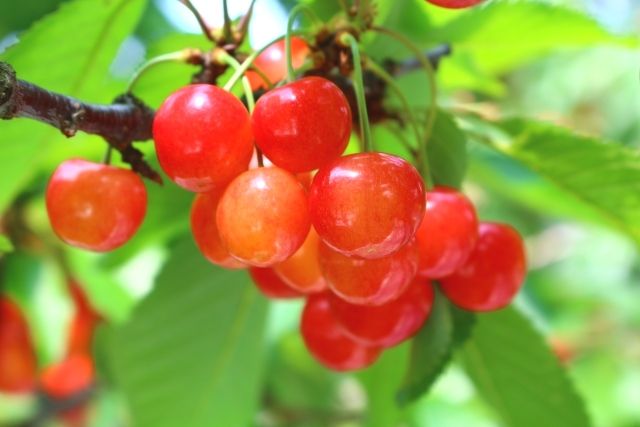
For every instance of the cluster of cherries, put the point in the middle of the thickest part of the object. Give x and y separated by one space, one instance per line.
19 372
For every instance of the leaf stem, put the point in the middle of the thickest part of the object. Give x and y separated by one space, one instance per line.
358 85
287 38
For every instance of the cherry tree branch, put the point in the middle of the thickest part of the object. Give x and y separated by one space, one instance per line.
128 119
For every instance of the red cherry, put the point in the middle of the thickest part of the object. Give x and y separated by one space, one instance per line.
326 341
455 4
272 62
389 324
303 125
369 281
95 206
447 234
263 217
271 285
302 271
84 322
367 205
202 137
18 364
205 231
71 376
494 272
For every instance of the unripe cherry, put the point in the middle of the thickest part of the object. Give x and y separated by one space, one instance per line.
369 281
203 137
272 62
95 206
271 285
367 205
327 342
263 216
447 234
303 125
205 232
494 272
302 270
388 324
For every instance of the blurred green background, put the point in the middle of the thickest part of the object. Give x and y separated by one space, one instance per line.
573 63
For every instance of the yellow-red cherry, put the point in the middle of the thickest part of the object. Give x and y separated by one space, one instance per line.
302 270
494 272
447 234
389 324
203 137
18 365
271 285
204 228
95 206
327 342
263 216
367 205
369 281
272 62
72 375
303 125
455 4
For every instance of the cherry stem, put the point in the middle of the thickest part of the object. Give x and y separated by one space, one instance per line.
226 29
358 85
203 25
246 85
432 110
107 155
287 38
260 157
187 56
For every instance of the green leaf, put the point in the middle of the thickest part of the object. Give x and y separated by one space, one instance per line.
192 352
447 152
604 176
505 34
446 328
515 371
5 244
69 51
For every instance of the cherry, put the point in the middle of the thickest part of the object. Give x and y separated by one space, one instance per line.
455 4
367 205
494 272
303 125
95 206
389 324
263 216
202 137
84 322
447 234
205 231
271 285
272 62
18 364
302 271
327 342
369 281
71 376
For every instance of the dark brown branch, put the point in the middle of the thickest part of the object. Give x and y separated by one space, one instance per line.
434 56
125 121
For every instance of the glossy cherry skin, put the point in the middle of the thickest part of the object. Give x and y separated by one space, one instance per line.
204 228
68 377
369 281
18 365
272 62
203 137
455 4
303 125
388 324
271 285
263 216
83 323
302 270
367 205
95 206
326 341
494 272
447 234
